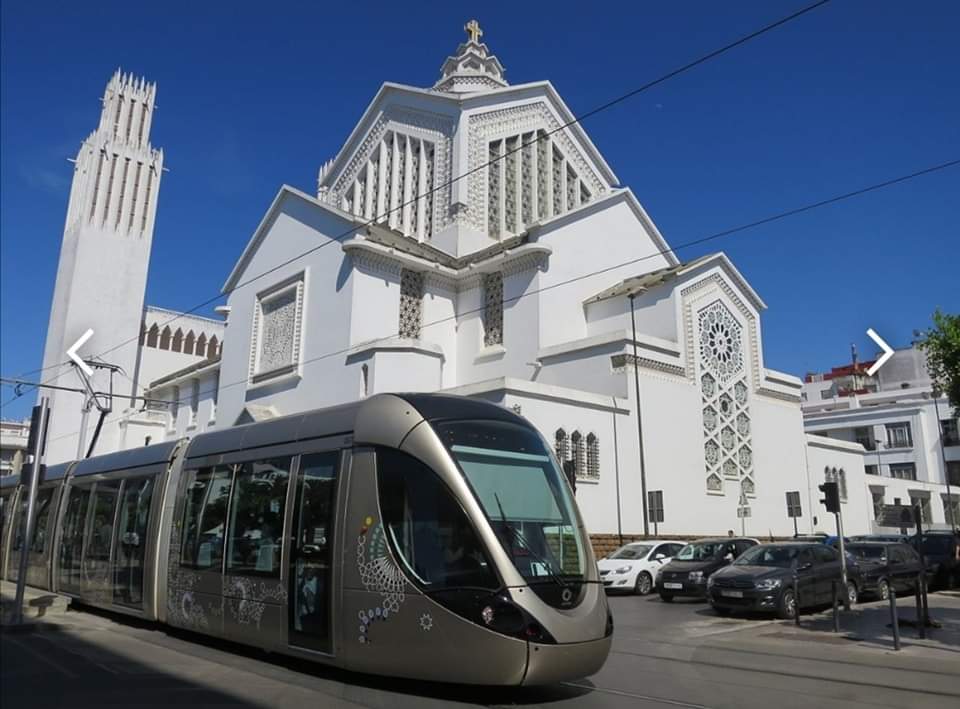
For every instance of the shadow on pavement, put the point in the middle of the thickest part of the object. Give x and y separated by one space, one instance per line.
200 646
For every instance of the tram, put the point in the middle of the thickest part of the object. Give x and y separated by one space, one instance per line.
424 536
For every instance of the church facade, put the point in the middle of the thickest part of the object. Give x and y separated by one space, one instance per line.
470 238
517 283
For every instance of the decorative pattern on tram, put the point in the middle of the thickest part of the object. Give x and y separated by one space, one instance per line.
378 574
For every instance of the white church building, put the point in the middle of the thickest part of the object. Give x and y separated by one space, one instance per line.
470 238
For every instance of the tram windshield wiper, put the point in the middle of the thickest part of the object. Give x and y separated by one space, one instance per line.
518 536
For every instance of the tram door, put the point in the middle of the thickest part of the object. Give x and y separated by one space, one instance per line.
311 562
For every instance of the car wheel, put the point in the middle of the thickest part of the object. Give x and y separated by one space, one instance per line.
668 597
883 590
644 584
852 594
787 609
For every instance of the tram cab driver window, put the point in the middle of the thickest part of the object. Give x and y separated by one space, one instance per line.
427 528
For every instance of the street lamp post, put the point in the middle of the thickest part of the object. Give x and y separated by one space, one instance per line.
943 458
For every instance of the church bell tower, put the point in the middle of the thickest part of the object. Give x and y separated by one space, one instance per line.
104 256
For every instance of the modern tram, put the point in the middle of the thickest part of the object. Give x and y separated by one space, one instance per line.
423 536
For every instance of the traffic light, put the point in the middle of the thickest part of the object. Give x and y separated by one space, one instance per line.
831 496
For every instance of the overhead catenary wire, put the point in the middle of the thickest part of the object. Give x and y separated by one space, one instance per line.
786 214
377 219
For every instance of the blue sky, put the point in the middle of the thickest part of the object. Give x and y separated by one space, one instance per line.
255 95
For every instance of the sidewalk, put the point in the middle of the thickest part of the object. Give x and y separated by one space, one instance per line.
39 607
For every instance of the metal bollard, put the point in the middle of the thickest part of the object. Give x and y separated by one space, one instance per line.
894 621
836 609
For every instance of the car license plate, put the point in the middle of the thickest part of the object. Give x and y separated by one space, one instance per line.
732 594
672 585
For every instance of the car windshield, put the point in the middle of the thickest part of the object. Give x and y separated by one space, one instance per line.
523 493
866 553
631 551
769 556
702 551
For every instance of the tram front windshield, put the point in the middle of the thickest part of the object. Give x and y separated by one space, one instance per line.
523 494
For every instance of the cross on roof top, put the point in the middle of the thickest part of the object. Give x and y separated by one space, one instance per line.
472 28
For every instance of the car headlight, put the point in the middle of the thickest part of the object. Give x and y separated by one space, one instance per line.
622 570
695 576
767 584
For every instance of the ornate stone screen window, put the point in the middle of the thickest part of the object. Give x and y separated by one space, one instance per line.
724 396
579 453
493 309
562 446
411 303
529 179
593 457
277 331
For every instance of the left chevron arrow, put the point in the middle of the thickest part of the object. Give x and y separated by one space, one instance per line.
77 359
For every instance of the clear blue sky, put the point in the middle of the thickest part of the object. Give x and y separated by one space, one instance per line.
255 95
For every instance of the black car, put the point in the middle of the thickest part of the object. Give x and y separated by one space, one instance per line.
687 573
885 566
941 552
761 579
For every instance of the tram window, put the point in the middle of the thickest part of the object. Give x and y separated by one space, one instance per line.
204 516
39 542
256 517
427 527
132 540
71 544
101 533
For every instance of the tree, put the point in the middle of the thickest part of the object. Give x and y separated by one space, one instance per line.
941 344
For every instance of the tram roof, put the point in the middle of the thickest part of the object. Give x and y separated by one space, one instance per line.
56 472
144 459
286 429
338 420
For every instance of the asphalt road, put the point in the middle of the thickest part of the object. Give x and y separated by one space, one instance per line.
665 655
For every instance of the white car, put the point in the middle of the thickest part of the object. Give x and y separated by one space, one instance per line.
634 566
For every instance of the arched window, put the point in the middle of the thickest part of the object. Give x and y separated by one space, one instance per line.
153 335
562 446
842 483
579 454
200 349
177 344
188 343
593 456
165 338
213 347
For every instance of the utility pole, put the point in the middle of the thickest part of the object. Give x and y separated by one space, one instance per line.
38 439
636 383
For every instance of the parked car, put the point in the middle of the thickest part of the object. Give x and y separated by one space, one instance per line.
941 552
687 573
761 579
886 566
893 538
634 567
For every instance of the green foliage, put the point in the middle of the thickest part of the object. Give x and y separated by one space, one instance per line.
941 344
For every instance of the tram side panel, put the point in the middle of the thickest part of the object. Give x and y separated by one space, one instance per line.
389 626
